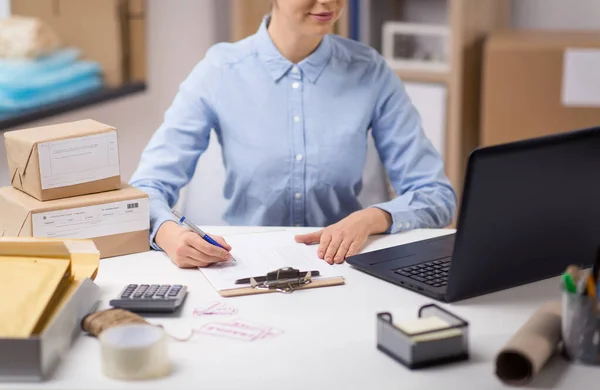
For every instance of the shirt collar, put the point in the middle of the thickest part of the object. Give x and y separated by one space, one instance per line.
277 65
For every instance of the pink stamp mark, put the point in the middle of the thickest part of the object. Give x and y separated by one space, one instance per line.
239 330
215 308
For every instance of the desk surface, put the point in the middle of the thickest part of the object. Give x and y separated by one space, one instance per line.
328 339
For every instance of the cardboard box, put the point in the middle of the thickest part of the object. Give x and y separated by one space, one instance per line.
136 50
64 160
36 358
39 355
524 83
117 221
95 27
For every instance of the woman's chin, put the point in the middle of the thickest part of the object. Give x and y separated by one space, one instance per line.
322 29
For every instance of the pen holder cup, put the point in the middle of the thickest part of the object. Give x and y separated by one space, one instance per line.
581 328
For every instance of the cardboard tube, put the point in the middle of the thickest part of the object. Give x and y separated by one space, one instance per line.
522 358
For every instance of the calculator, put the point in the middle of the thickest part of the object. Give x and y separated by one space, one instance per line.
150 298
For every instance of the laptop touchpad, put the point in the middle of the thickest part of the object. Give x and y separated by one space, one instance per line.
383 261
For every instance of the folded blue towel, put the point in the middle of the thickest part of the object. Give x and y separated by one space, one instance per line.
69 90
24 86
47 63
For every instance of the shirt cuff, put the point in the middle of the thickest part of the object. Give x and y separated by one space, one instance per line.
160 213
403 220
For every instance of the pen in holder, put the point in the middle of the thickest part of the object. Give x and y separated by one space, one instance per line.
581 328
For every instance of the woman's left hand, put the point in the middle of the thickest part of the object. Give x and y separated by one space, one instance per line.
347 237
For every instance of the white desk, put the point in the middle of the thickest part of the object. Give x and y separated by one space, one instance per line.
329 334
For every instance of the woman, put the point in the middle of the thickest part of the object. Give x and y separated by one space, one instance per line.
291 107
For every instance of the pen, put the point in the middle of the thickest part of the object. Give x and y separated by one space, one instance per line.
260 279
591 286
184 221
582 284
568 283
574 271
596 267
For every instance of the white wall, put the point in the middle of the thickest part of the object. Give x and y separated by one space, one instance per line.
4 8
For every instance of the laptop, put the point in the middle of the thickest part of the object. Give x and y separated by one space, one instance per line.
529 209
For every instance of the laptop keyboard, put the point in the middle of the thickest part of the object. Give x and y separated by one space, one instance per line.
433 273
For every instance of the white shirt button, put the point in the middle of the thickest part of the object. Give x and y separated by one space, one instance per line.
400 225
407 225
296 85
298 195
298 225
295 70
299 157
296 119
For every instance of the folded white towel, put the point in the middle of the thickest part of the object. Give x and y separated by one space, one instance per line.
25 37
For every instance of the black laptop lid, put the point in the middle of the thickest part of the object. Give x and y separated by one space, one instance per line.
529 209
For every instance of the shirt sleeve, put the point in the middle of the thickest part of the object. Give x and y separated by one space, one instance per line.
425 198
168 162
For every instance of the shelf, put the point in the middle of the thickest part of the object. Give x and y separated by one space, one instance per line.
423 76
107 94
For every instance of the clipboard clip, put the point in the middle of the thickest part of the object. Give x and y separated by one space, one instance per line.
285 280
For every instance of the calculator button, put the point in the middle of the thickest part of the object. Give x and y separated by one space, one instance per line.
128 290
162 290
173 293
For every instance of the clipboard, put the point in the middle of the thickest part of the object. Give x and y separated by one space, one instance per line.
284 280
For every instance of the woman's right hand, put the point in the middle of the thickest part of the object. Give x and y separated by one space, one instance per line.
187 249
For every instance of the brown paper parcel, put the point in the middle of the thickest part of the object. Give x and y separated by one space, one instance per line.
118 225
22 150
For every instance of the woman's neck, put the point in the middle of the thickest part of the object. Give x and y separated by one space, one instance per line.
292 45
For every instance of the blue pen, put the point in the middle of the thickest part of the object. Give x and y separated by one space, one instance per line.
183 220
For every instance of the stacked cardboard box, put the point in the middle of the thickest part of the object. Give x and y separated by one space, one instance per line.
66 183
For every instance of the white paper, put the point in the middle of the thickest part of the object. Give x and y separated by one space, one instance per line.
78 160
257 254
93 221
581 78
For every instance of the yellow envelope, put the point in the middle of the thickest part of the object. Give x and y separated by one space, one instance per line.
83 260
29 287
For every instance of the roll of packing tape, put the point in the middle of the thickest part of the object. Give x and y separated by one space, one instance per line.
134 351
